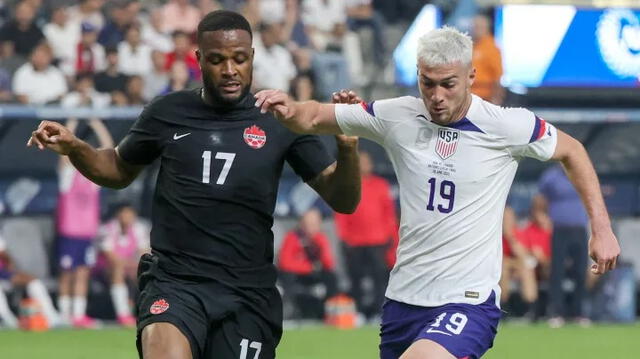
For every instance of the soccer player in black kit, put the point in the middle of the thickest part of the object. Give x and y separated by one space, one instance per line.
208 288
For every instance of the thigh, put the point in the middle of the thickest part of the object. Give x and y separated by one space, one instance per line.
169 302
163 340
242 335
463 330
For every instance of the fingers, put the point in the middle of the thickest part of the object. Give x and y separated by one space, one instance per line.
41 137
267 99
345 96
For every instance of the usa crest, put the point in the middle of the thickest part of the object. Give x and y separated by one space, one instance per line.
255 137
447 142
159 306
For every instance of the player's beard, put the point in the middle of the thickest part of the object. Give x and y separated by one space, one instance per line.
216 95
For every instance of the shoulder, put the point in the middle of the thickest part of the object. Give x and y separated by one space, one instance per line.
494 119
164 103
396 107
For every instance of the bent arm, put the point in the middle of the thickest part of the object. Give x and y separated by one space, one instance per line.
339 184
580 171
104 167
603 246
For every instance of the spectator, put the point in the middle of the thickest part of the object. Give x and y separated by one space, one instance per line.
35 290
6 95
89 55
38 82
87 11
123 240
111 80
85 94
178 78
320 17
517 264
361 14
63 35
536 236
305 260
272 66
21 35
346 43
157 80
366 234
569 245
183 51
135 91
180 15
487 62
153 35
122 15
78 216
135 56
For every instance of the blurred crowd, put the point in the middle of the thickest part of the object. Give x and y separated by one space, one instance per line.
125 52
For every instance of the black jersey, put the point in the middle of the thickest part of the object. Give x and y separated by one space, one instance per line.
216 190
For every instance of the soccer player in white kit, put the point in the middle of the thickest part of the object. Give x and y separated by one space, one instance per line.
455 157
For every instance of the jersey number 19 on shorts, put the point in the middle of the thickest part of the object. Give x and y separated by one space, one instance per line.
206 165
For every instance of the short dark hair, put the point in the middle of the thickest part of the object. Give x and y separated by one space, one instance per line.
223 20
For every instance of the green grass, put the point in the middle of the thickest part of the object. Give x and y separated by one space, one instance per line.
513 341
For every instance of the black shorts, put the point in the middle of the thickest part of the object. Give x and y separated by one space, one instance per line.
220 321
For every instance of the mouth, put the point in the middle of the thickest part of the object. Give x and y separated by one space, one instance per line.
439 110
230 87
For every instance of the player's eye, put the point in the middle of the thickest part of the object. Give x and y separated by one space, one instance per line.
448 85
239 59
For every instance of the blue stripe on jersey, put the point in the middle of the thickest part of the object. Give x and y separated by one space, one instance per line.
465 125
536 130
368 107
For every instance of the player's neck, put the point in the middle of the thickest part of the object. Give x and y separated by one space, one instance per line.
461 112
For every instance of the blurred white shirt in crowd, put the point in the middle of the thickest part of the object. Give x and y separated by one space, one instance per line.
63 39
39 87
273 68
272 11
134 61
323 16
75 99
75 16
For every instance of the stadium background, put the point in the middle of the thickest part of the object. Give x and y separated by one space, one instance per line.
602 112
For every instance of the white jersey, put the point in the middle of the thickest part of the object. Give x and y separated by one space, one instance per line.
454 182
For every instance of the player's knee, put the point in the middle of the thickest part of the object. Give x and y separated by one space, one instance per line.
164 341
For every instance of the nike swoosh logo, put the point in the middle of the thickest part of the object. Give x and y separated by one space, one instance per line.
177 137
431 330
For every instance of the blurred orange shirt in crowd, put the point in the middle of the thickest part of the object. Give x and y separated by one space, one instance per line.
488 63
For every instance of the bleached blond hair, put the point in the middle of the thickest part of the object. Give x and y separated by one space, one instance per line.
444 46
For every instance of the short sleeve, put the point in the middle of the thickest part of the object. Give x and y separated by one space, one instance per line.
308 156
144 142
360 120
528 135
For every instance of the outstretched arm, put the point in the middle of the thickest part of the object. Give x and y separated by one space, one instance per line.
299 117
103 167
603 245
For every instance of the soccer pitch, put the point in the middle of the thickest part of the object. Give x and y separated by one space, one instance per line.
513 341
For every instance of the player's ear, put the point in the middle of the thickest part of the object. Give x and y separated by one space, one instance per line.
472 75
198 54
